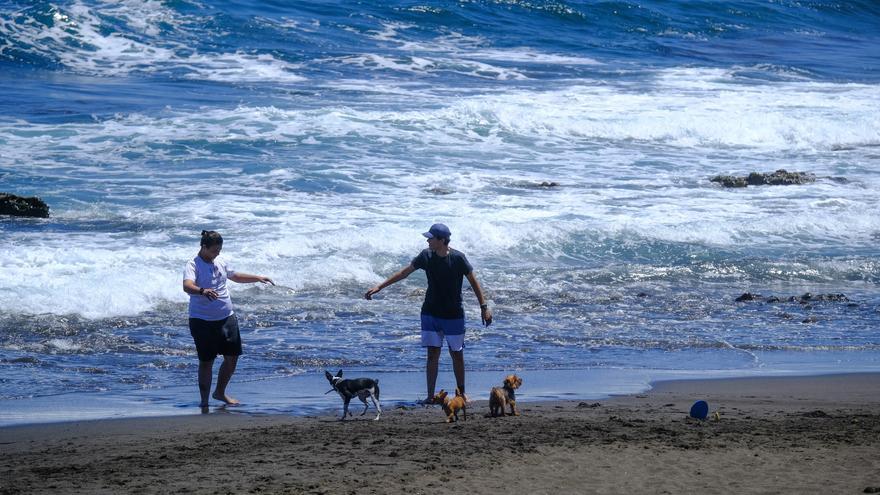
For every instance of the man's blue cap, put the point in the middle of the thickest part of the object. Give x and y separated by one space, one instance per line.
438 230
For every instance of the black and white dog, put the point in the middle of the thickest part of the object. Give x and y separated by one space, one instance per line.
357 387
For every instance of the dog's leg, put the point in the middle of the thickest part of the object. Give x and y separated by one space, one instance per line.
376 405
513 411
345 412
363 397
464 412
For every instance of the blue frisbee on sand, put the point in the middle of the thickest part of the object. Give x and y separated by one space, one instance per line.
700 409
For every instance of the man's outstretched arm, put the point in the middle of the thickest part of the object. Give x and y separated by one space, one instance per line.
397 277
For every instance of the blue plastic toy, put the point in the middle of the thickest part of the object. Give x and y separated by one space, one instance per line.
700 410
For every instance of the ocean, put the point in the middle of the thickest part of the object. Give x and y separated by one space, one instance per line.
568 145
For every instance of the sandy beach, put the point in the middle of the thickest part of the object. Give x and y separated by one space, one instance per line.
772 435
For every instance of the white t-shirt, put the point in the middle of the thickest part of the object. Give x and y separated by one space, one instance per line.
209 276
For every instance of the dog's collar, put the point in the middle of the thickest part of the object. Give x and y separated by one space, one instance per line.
334 383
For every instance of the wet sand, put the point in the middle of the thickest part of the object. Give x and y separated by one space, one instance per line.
773 435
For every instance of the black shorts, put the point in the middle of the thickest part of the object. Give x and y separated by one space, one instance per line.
215 337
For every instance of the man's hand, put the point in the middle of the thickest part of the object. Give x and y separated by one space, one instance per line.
369 295
486 315
210 294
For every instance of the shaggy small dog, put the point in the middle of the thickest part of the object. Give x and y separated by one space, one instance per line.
452 406
499 397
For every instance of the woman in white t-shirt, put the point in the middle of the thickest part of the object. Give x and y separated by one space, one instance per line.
212 322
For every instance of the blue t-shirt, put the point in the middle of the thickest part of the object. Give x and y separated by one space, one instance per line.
445 274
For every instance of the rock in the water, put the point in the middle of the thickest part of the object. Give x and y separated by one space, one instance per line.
805 299
19 206
781 177
784 178
755 179
809 297
748 296
831 298
440 191
730 181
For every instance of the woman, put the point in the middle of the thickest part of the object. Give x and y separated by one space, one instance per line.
212 321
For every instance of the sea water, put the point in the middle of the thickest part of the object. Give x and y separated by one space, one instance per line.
569 146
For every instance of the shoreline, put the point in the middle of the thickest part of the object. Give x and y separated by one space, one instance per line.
305 394
812 434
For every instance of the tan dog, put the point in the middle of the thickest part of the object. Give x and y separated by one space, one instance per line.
452 406
504 396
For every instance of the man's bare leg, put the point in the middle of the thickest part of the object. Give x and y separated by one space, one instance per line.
431 368
205 372
223 377
458 370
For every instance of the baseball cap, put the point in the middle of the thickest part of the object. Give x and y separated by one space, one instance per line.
438 230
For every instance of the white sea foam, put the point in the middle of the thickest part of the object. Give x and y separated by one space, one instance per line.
699 112
455 45
425 64
453 52
88 275
344 191
79 40
531 56
63 345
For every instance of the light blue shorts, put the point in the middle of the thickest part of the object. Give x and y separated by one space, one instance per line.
435 330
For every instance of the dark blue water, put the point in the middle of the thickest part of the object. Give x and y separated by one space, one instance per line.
568 145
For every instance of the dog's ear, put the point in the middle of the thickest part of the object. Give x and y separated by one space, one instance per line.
328 375
339 375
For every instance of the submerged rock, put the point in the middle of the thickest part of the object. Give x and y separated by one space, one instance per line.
809 297
784 178
440 191
19 206
730 181
748 296
805 298
544 184
780 177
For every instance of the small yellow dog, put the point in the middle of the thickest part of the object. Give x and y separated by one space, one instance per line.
499 397
453 405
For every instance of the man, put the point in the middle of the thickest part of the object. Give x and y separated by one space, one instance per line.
212 323
442 313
